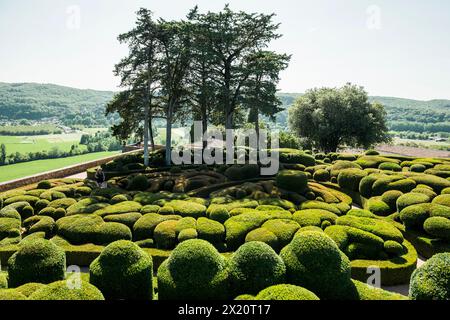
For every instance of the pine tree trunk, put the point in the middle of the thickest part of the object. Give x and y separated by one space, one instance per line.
169 135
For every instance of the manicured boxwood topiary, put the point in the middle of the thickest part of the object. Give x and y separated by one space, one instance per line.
378 227
45 184
210 230
350 178
109 232
9 228
417 168
322 175
320 205
122 207
390 166
150 209
237 227
165 234
145 226
341 165
368 292
438 227
429 192
286 292
410 199
62 203
119 198
123 271
3 281
56 214
313 217
62 290
128 219
187 208
30 288
443 199
291 180
138 183
40 224
79 229
432 280
36 261
255 266
11 294
187 234
263 235
219 214
314 262
378 207
194 271
284 229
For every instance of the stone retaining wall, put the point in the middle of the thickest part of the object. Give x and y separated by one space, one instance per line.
58 173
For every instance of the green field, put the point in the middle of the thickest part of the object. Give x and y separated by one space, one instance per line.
20 170
39 143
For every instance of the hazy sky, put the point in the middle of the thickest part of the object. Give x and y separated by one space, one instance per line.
394 48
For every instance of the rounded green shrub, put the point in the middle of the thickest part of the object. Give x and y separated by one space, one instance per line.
45 184
122 207
36 261
255 266
56 214
62 203
410 199
210 230
30 288
123 271
390 166
286 292
414 216
372 152
313 217
443 200
165 234
432 280
291 180
62 290
9 228
39 224
41 204
320 205
11 294
393 247
150 209
145 226
284 229
427 191
187 234
322 175
390 198
219 214
237 227
138 183
438 227
128 219
314 261
112 231
186 208
417 168
341 165
378 207
378 227
194 271
79 229
263 235
119 198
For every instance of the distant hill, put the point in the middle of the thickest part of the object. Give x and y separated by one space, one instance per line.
72 106
402 114
33 101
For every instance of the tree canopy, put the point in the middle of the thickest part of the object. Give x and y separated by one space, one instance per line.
332 117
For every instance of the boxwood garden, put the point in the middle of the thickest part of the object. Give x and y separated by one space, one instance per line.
221 232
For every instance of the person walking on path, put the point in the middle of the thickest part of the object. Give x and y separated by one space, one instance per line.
100 178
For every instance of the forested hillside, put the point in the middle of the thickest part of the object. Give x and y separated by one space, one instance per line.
403 114
41 101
